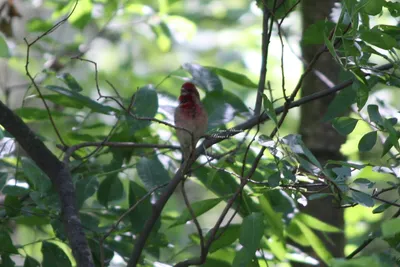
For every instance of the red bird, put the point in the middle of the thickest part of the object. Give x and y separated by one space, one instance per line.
190 115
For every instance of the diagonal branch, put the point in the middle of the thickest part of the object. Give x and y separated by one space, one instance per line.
60 178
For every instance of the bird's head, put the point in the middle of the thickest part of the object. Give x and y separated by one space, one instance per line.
189 89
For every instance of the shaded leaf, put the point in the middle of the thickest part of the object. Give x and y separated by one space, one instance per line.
367 142
110 189
269 109
374 115
145 105
6 244
203 77
36 177
362 198
54 256
344 125
230 234
152 172
70 81
85 188
12 205
340 104
199 208
391 227
233 76
81 100
31 262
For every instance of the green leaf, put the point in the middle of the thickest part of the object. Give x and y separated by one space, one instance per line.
393 136
85 188
37 179
344 125
273 220
222 107
12 205
274 179
31 262
54 256
374 115
233 76
4 52
314 34
6 261
82 14
367 142
362 198
315 242
319 196
14 190
362 90
391 227
70 81
203 77
378 38
393 7
139 215
152 172
369 261
81 100
316 224
229 235
38 25
6 245
110 189
340 104
373 7
364 181
381 208
199 208
36 114
251 232
269 109
145 105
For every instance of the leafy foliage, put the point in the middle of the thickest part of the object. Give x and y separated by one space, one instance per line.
124 151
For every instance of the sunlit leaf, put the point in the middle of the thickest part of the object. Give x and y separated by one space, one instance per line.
317 224
391 227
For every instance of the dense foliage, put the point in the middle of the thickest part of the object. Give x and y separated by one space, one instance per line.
99 84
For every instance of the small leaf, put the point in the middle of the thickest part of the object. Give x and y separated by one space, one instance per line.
204 77
70 81
251 232
315 242
381 208
393 136
344 125
362 198
53 255
145 105
6 245
12 205
340 104
152 172
269 109
367 142
36 177
391 227
378 38
4 52
110 189
373 7
222 107
316 224
85 188
229 235
374 115
233 76
81 100
31 262
364 181
198 208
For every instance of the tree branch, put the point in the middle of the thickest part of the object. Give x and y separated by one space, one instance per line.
60 178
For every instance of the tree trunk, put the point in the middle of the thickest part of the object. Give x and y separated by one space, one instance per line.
320 137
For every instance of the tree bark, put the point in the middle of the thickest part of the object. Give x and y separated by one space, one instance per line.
320 137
